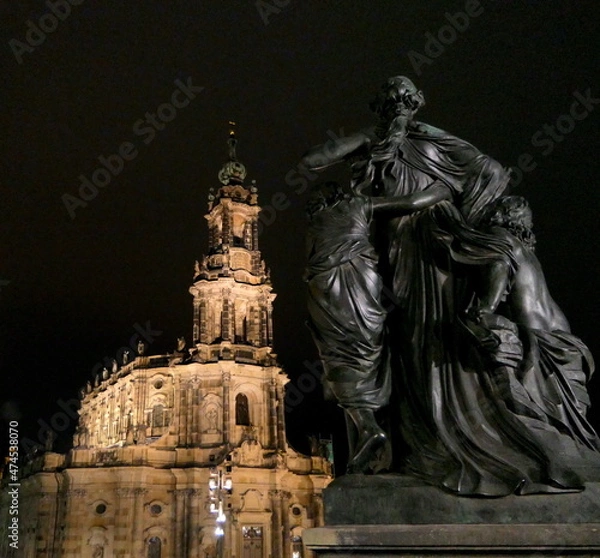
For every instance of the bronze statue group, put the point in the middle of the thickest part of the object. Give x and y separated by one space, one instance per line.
466 375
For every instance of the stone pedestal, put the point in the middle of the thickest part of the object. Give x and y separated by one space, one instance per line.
388 515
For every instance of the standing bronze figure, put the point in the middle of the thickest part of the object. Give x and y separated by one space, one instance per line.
346 313
438 259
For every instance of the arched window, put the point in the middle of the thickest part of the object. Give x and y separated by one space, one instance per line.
242 413
154 547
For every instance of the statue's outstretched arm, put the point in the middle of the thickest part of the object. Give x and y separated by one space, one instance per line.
334 151
433 194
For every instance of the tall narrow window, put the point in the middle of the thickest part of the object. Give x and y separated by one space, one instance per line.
154 547
242 413
159 420
158 416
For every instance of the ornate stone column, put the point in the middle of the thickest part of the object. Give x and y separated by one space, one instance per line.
273 413
226 404
111 434
276 523
227 223
203 322
180 545
69 503
196 322
175 423
193 515
195 405
227 317
235 532
138 521
122 527
319 509
263 322
280 418
188 410
285 505
269 322
140 397
255 233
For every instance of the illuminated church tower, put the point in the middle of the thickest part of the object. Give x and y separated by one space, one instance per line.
185 454
232 290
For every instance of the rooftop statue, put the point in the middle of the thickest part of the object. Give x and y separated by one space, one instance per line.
477 407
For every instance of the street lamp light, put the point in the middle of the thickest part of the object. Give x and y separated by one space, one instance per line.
219 486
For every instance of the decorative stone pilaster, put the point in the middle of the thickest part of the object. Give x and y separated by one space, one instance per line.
193 515
226 317
180 497
197 321
264 338
226 405
188 413
138 520
285 504
273 413
269 323
280 418
276 522
175 422
319 510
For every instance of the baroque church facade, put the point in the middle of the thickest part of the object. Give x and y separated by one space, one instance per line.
185 455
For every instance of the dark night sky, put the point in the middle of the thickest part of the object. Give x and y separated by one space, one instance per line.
72 289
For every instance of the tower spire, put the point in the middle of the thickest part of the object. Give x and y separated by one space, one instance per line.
232 172
232 141
232 288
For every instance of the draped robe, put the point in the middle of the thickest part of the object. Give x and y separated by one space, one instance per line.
459 430
346 314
